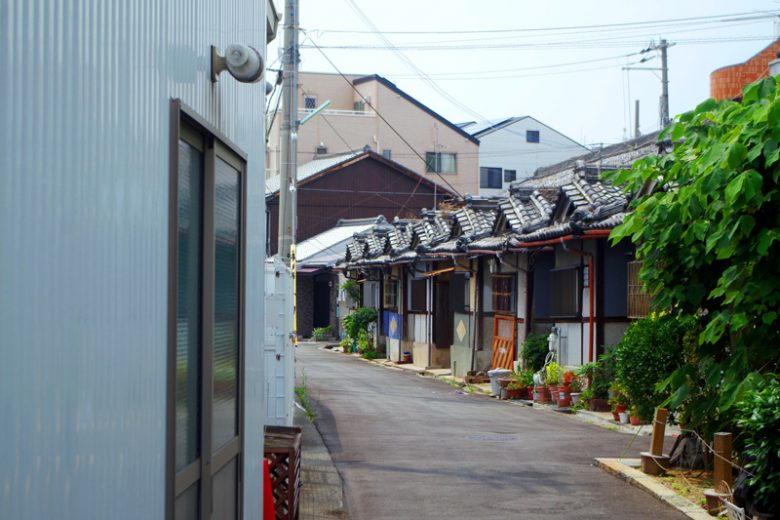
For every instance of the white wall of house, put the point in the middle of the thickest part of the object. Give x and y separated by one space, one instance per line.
508 148
84 267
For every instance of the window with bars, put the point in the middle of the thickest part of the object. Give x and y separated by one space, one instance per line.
503 293
391 294
565 295
638 299
309 102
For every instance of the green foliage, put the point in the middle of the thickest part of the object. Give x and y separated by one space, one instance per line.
534 351
650 350
352 288
524 378
369 353
358 321
554 374
709 240
320 333
758 418
301 393
363 341
346 345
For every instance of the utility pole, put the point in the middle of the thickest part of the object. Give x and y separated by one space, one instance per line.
662 46
289 135
663 108
636 119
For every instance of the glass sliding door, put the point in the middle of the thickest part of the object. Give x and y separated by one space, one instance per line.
206 401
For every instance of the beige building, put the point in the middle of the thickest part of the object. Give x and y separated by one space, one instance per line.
350 123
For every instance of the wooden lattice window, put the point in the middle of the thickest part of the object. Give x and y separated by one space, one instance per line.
638 299
391 294
503 301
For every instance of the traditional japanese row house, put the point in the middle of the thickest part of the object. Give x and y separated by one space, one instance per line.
462 287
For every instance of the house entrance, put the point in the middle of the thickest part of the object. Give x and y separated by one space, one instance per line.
321 317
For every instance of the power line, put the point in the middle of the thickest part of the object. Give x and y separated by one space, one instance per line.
379 114
721 18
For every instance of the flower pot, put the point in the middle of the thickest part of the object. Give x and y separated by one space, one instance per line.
575 398
503 382
623 417
515 393
615 416
530 393
619 408
634 420
541 394
552 391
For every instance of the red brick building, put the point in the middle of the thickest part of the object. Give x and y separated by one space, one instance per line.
727 82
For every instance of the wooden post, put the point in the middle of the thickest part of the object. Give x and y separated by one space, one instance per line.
724 481
659 425
654 462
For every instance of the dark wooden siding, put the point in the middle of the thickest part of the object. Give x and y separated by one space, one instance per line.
367 188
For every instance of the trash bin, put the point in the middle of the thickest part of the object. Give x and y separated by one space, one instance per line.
494 376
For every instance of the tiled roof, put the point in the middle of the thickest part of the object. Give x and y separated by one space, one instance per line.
312 168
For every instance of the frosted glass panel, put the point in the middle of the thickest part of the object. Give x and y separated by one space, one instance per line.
226 492
226 302
187 504
188 307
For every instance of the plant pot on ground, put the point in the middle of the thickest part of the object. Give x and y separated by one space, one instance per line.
542 396
623 417
575 398
515 390
634 420
615 416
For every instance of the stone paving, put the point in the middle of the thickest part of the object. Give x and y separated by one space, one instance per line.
322 494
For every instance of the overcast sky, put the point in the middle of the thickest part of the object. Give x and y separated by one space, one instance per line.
560 62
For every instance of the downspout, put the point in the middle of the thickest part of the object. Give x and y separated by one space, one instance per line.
429 321
477 331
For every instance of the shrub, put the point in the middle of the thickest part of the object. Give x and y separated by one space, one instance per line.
358 321
534 351
346 345
554 374
320 333
352 289
369 353
651 349
758 418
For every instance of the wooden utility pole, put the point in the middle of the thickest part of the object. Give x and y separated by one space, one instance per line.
289 134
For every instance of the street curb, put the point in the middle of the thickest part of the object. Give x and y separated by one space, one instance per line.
622 469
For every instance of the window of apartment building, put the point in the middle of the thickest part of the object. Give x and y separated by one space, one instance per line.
205 352
309 102
510 175
441 162
387 154
418 291
489 177
503 293
638 299
359 106
565 292
532 136
391 294
321 149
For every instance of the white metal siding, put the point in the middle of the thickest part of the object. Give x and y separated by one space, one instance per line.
84 114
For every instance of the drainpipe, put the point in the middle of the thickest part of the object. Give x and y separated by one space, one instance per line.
429 321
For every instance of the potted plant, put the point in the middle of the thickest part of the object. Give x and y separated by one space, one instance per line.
575 389
515 390
554 377
619 403
527 378
633 416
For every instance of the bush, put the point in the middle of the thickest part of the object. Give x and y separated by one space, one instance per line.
358 321
352 290
554 374
651 349
369 353
346 345
758 418
534 351
320 333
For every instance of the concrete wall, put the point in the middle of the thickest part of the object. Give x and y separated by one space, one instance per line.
85 183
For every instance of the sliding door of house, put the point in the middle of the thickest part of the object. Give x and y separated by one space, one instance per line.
206 358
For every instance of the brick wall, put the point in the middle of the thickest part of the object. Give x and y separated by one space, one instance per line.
727 82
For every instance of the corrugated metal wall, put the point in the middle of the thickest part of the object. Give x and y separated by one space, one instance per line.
84 107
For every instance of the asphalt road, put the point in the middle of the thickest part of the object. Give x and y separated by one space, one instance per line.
409 447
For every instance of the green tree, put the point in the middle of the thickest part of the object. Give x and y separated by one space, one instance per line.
707 228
